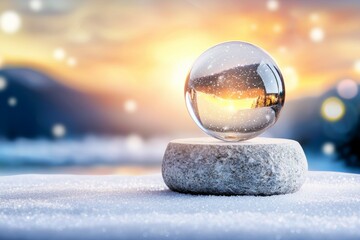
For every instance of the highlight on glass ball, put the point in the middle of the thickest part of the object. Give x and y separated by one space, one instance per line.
234 91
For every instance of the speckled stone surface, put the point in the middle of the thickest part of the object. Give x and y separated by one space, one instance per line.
260 166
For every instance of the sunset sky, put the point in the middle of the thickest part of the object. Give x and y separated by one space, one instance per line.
140 51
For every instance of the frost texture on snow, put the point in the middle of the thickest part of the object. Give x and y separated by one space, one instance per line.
119 207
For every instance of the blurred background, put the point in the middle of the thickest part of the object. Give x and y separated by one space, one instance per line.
96 87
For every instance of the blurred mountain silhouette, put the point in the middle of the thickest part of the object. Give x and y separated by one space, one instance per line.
42 102
301 120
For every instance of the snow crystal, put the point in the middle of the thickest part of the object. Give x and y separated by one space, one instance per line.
118 207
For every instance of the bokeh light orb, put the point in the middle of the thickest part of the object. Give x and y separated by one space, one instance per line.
332 109
10 22
347 89
234 91
12 101
272 5
58 130
3 83
328 148
36 5
317 34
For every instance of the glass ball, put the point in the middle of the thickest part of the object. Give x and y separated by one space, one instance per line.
234 91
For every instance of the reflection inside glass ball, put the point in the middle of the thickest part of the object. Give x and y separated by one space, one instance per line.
234 91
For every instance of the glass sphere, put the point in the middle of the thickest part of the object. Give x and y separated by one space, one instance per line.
234 91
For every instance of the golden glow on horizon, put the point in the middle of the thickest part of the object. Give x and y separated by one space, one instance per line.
127 50
145 52
233 105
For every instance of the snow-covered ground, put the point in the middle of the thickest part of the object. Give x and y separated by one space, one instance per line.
118 207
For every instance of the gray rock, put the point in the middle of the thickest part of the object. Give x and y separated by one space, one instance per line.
260 166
